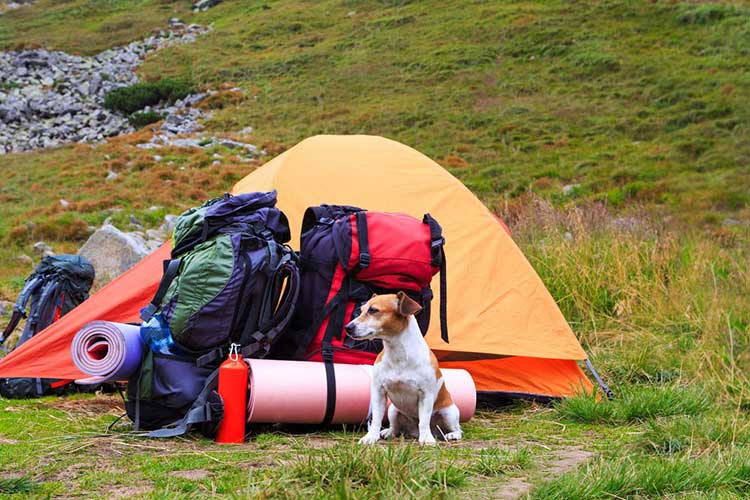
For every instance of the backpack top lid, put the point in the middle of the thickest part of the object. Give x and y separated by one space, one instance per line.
229 214
398 254
75 268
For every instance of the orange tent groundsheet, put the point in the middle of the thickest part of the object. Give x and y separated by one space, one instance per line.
505 328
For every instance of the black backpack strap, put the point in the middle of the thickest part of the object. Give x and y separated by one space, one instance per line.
437 255
171 267
42 311
202 410
275 318
363 238
19 309
334 328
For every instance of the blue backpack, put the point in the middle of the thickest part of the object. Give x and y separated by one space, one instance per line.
57 285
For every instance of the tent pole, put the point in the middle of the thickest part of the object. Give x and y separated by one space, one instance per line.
599 380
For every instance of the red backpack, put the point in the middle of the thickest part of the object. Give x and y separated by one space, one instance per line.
347 254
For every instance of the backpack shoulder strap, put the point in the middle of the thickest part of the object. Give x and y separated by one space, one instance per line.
171 268
19 309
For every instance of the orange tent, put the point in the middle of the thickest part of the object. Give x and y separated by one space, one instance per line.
505 327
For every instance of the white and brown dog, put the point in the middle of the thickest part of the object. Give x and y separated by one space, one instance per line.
406 372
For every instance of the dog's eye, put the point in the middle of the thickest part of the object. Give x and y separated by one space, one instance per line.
372 310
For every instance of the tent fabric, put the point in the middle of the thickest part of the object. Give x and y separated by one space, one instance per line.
505 327
497 304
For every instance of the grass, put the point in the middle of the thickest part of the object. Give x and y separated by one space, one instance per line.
715 475
141 119
636 403
639 108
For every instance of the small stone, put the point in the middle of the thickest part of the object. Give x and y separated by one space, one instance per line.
64 203
570 189
157 158
731 222
215 163
568 236
6 308
169 223
25 259
41 248
111 175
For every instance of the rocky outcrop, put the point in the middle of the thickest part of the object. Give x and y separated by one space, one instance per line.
49 98
112 252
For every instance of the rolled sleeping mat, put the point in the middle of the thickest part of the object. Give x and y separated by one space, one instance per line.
295 392
107 351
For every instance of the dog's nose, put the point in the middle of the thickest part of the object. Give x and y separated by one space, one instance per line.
350 327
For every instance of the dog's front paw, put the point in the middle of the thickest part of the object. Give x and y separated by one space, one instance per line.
369 439
427 440
387 433
454 436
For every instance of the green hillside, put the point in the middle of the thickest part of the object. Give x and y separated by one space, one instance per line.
612 136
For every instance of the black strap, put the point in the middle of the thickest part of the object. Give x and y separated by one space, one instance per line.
19 309
15 318
271 328
334 328
330 382
443 299
364 245
437 255
171 267
200 411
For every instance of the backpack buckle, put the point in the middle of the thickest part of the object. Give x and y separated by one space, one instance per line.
364 260
437 243
327 354
148 312
327 221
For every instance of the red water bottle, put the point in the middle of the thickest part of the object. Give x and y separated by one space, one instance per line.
233 391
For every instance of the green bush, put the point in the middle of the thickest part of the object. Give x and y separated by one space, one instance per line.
142 118
128 100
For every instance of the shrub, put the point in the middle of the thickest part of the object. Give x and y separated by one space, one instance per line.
142 118
128 100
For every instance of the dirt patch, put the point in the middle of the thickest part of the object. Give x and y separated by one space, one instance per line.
4 440
568 459
515 488
98 405
561 461
129 491
191 474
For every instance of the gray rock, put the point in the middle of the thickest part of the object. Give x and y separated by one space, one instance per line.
111 175
112 252
570 189
58 98
731 222
169 223
25 259
6 308
41 248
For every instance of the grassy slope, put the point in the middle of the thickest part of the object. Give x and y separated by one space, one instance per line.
643 104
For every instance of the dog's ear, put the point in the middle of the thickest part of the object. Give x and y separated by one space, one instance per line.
373 295
407 306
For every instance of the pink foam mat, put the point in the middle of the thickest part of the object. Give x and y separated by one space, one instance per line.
294 392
